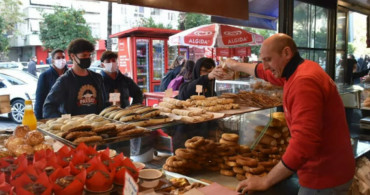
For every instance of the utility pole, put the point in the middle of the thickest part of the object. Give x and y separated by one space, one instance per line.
109 26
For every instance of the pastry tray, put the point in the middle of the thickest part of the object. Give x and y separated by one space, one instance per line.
104 142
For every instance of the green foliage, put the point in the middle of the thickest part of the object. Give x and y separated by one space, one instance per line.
194 20
63 26
4 44
351 48
149 22
10 12
265 33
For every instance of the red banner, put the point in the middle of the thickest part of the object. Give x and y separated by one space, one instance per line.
124 56
224 52
242 51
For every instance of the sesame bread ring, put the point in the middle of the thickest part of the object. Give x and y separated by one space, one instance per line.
194 142
184 153
240 177
231 163
246 161
174 169
239 170
223 166
244 149
232 137
176 162
254 170
229 143
269 163
227 172
264 149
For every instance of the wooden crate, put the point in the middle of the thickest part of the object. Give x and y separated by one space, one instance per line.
4 104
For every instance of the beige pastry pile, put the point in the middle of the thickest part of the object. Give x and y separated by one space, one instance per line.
90 128
254 99
197 108
137 115
26 141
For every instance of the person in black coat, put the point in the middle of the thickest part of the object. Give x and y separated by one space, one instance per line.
116 82
204 74
48 78
31 67
78 91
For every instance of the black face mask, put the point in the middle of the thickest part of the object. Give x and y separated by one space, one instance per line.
84 62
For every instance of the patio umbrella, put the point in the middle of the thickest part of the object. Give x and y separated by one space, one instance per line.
215 35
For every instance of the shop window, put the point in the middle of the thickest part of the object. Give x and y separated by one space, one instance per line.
155 12
310 31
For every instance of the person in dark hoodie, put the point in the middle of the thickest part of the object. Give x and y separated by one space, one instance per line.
173 71
48 78
79 90
116 82
204 74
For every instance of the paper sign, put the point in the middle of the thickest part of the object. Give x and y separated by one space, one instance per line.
199 89
168 92
66 116
114 97
131 188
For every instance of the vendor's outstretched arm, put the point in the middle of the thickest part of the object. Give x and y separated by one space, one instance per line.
256 183
241 67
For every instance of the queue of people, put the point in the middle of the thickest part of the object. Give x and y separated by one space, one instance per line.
319 150
79 90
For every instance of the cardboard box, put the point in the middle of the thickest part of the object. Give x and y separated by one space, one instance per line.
4 104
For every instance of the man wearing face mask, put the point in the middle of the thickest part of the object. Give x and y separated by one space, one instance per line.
79 90
116 82
48 78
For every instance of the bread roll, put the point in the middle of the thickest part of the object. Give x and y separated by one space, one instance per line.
21 130
183 112
34 138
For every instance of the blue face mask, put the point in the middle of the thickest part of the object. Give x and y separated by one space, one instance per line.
84 62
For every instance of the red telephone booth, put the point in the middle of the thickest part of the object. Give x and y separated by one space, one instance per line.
142 55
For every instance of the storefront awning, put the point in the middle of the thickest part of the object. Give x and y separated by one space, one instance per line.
262 14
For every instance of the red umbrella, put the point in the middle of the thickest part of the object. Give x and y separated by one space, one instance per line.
215 35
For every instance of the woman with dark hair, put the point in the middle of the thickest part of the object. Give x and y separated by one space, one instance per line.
204 73
174 70
187 70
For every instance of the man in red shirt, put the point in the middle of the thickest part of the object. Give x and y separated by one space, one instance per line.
319 150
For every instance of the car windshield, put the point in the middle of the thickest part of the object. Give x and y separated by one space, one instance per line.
17 77
8 65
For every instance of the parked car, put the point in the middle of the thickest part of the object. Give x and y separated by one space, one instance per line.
19 85
16 65
39 69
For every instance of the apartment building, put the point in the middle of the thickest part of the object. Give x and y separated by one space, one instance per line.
124 17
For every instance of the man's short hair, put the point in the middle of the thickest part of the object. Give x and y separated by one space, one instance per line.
283 41
80 45
108 55
55 51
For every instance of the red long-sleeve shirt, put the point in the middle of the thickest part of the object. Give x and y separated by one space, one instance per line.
320 148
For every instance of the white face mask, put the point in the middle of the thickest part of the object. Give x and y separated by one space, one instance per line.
110 67
60 64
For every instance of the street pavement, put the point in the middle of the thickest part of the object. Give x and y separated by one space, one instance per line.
6 123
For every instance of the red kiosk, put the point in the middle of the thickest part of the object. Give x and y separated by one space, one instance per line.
143 55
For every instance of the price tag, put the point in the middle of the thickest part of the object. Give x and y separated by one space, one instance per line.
168 93
114 97
131 188
66 116
199 89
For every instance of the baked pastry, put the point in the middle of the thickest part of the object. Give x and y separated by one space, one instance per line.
21 130
23 149
159 119
124 127
142 110
182 112
35 188
13 142
198 97
65 181
122 113
140 122
150 113
131 132
129 117
74 135
42 146
109 109
91 139
34 137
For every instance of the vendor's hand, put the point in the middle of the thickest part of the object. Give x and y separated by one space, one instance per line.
215 73
231 64
253 183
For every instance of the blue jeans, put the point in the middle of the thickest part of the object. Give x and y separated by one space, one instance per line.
337 190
